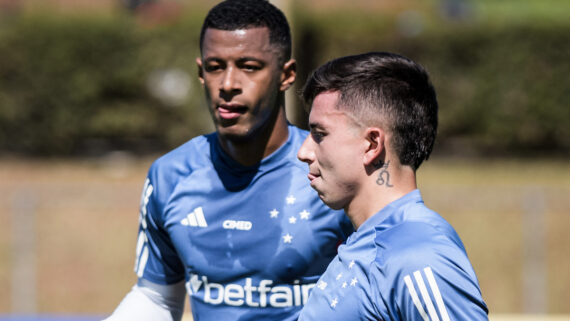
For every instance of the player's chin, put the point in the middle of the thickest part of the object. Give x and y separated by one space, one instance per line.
234 132
332 203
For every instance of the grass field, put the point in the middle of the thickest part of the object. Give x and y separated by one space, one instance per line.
77 253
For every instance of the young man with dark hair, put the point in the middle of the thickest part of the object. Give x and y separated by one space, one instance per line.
229 217
373 121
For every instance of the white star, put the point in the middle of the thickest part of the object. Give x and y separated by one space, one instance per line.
344 284
339 276
287 238
290 199
292 220
334 303
274 213
351 264
322 285
353 282
304 215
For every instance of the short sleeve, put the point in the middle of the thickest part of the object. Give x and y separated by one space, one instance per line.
156 257
423 274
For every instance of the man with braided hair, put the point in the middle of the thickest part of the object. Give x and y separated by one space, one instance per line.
229 217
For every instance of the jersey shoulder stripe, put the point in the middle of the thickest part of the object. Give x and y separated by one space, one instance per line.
427 292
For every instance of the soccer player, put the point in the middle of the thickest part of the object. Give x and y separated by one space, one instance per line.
373 121
230 217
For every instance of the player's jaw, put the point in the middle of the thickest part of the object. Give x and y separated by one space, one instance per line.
328 194
334 192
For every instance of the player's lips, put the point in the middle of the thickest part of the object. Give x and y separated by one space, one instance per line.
312 176
231 111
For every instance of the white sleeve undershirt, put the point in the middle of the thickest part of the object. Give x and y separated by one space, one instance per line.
149 301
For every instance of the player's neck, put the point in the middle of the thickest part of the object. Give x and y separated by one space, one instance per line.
379 190
266 141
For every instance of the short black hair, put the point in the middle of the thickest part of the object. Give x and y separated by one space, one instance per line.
385 89
244 14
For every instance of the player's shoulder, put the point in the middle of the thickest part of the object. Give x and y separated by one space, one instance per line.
422 238
196 148
184 158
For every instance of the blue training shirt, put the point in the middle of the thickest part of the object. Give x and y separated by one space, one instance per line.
250 242
404 263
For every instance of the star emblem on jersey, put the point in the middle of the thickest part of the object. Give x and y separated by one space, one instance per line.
287 238
195 218
290 199
353 282
334 303
274 213
291 218
339 284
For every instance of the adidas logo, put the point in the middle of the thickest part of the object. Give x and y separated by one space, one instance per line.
196 218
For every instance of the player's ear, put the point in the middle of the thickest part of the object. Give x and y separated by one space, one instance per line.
200 70
288 74
375 146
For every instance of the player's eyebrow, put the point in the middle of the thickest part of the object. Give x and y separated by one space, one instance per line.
315 125
239 60
212 59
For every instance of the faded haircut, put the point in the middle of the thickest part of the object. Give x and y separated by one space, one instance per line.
232 15
386 90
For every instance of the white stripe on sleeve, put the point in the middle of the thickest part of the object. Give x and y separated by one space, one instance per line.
415 298
436 294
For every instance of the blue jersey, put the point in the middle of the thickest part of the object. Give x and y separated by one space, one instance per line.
404 263
250 242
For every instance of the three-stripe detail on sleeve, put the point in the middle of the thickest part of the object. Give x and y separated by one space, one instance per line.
426 298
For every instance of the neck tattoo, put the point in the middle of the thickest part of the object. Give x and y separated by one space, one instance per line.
384 175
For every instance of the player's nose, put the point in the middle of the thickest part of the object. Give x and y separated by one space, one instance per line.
230 80
306 153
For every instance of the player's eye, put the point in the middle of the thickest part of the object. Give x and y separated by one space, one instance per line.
317 136
250 65
211 67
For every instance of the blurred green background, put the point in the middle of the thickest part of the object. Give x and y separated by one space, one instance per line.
92 91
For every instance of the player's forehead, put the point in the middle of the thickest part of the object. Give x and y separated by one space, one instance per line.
245 42
326 113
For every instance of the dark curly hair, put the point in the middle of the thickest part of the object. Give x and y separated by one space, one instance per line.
387 90
243 14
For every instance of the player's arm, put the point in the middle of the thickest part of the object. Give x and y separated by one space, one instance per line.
428 277
149 301
431 294
159 293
